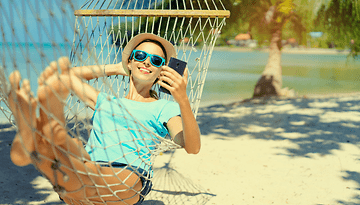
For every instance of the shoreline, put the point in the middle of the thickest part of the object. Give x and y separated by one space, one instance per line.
214 102
319 51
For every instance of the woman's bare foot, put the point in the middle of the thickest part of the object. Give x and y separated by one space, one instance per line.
54 85
52 93
23 107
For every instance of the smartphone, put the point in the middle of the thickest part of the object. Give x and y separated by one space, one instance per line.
179 66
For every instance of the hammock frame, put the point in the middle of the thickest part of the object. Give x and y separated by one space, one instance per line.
154 12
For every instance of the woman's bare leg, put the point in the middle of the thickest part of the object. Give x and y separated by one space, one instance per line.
58 156
68 156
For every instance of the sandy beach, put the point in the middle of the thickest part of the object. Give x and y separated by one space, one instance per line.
304 150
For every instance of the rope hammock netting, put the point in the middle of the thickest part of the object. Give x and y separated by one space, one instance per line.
94 35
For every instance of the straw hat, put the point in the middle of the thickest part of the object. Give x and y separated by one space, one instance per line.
130 46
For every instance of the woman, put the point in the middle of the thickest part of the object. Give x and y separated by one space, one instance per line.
121 175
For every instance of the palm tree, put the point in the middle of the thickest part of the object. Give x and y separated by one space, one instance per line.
267 19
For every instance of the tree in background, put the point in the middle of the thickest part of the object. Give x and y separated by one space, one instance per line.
266 20
341 20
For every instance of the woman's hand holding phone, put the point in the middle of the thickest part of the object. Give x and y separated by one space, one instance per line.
171 79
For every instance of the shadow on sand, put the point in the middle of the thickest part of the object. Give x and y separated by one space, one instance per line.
355 177
18 185
171 187
314 125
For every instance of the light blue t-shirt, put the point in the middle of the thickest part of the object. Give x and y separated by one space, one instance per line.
127 135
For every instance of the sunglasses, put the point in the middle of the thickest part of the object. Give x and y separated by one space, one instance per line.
141 56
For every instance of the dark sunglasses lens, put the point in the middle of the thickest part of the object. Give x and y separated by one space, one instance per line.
156 61
140 56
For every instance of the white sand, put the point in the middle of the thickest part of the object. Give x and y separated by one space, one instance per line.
295 151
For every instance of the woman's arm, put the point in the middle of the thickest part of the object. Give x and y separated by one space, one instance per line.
95 71
184 130
83 90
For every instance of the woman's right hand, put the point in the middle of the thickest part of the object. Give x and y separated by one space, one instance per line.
175 83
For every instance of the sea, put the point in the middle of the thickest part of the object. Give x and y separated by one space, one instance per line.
232 74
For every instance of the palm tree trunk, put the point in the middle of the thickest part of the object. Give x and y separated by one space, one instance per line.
270 83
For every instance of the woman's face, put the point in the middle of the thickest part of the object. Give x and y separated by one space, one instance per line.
144 70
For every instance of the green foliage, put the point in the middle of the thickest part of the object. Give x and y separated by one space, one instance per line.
286 7
341 19
263 16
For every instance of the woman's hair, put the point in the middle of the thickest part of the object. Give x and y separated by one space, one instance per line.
153 93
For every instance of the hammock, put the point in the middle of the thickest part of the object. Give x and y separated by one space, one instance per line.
95 33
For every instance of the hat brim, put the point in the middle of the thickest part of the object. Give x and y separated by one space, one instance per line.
135 41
